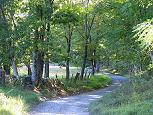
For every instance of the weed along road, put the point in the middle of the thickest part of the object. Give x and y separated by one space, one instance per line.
76 105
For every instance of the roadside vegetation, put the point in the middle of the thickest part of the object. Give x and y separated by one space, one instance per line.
132 98
88 34
81 86
16 100
54 88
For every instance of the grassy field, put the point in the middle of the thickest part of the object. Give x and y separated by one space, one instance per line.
16 101
134 98
54 70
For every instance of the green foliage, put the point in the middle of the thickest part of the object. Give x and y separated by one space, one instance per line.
105 25
93 83
98 81
144 33
118 18
110 24
134 97
15 100
67 14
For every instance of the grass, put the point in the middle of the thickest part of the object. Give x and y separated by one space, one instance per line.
53 88
16 101
93 83
54 70
133 98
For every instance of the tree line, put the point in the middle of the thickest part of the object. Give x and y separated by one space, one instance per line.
112 33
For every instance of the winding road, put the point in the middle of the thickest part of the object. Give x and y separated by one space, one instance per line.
76 105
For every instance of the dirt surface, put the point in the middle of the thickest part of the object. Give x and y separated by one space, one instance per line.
76 105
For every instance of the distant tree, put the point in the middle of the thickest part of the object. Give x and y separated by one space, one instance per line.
66 17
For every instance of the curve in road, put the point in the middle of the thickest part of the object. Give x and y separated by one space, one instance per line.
76 105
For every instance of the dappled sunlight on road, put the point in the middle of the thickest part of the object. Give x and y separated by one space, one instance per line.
76 105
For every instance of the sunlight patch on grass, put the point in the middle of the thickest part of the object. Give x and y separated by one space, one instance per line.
11 106
16 101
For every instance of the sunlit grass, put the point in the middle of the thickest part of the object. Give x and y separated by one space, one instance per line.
53 71
16 101
11 106
94 82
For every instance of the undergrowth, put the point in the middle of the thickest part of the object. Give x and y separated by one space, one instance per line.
54 88
18 100
133 98
93 83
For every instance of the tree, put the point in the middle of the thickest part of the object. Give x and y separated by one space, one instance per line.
119 18
38 22
8 11
145 36
87 23
67 16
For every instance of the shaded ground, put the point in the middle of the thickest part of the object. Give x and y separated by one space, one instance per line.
75 105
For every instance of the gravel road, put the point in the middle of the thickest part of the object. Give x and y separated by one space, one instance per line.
75 105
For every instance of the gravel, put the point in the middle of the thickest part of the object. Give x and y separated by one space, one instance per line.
76 105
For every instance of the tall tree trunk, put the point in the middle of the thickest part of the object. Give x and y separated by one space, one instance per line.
37 68
27 64
67 69
47 57
47 68
93 61
151 55
7 69
84 60
93 67
108 61
40 66
87 36
34 67
8 43
2 77
38 55
34 76
68 36
29 70
14 66
68 60
50 12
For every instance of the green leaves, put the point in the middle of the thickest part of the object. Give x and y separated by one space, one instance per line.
67 15
144 33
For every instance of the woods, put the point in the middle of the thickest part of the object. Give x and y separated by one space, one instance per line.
113 34
40 31
91 35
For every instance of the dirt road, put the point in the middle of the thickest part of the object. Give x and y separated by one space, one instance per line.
75 105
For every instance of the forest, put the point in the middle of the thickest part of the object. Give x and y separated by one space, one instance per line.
82 39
